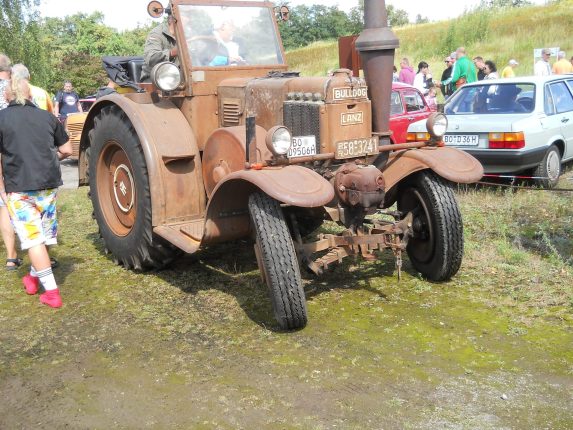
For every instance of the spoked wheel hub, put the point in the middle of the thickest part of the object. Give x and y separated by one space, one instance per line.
422 243
116 189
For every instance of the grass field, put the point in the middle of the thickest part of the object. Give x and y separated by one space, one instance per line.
195 346
497 35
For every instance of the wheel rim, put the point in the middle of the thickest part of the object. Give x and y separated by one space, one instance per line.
116 189
553 166
421 245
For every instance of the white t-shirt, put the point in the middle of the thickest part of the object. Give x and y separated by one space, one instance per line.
542 68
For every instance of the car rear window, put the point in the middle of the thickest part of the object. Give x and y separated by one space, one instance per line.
492 99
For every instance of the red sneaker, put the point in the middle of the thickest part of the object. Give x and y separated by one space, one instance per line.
51 298
30 284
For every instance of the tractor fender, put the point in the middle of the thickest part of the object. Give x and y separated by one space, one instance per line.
227 212
170 150
449 163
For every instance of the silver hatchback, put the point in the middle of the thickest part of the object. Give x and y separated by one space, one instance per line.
517 125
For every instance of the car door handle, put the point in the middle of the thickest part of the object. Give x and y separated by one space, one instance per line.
564 120
410 118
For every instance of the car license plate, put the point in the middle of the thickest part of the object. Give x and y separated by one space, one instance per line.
356 148
302 146
461 139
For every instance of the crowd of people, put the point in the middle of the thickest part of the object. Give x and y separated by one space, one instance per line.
459 69
32 143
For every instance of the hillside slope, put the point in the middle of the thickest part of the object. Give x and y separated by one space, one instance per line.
496 35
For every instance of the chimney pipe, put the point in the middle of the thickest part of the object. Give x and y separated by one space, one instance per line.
376 45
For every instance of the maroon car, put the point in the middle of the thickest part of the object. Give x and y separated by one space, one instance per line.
407 105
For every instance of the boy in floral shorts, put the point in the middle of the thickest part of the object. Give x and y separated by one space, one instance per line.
32 142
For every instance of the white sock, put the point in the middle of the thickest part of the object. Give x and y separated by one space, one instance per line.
47 279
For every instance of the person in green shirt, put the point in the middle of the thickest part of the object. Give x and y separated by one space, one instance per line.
464 71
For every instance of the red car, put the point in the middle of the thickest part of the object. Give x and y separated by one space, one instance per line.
407 105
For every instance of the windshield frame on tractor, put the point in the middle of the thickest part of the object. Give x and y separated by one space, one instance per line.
181 11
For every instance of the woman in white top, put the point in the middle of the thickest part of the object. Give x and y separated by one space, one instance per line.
490 70
423 79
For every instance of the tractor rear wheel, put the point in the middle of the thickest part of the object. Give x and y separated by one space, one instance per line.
119 190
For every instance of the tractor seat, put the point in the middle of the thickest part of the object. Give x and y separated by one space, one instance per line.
134 69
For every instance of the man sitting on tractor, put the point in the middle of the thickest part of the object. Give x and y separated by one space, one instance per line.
160 46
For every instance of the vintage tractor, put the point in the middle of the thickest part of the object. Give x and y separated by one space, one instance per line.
228 144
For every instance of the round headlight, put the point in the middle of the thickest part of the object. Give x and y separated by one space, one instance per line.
166 76
437 124
279 140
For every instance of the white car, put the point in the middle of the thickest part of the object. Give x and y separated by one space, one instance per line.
512 125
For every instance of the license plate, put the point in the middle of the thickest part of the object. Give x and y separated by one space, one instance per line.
302 146
461 139
356 148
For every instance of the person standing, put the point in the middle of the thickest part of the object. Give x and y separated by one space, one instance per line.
160 46
464 70
39 95
542 67
508 71
67 101
32 141
407 74
423 79
446 74
480 66
490 70
562 65
6 228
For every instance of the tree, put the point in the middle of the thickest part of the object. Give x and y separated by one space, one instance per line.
421 20
21 37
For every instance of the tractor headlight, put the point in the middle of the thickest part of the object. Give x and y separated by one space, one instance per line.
279 140
166 76
437 124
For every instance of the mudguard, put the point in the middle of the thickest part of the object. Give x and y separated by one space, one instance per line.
170 151
227 212
449 163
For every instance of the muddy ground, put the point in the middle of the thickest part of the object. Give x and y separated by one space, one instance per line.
196 346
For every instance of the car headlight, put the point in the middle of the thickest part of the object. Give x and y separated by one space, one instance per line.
166 76
437 124
279 140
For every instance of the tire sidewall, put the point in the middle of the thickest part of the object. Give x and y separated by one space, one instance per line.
121 247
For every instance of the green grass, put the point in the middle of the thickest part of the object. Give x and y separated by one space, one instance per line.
195 346
495 35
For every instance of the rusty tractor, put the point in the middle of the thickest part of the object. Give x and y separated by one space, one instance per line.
225 143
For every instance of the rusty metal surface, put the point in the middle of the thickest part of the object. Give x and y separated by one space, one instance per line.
376 45
357 185
450 163
227 213
348 57
225 153
74 126
292 185
171 155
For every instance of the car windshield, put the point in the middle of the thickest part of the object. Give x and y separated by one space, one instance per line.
230 36
504 98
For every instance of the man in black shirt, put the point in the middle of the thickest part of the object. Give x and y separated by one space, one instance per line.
32 142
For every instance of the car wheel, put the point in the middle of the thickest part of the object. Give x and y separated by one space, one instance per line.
277 261
120 194
549 170
437 246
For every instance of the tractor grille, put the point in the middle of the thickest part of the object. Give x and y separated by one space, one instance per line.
75 133
303 119
231 112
